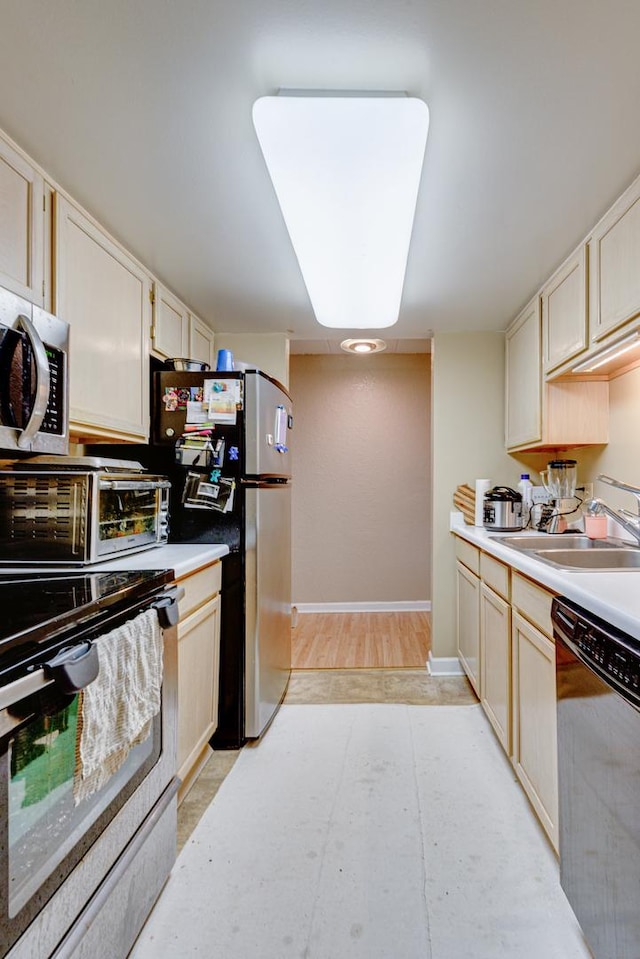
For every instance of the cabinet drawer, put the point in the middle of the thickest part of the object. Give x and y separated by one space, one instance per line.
200 587
495 574
468 555
533 601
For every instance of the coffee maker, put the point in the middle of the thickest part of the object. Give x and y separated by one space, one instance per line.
564 513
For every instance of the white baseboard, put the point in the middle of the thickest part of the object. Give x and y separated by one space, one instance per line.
444 666
401 606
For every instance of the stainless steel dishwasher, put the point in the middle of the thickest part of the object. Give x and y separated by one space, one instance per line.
598 691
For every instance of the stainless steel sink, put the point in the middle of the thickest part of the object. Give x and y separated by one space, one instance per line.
611 559
575 551
564 541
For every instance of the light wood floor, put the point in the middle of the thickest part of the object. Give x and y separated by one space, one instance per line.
361 640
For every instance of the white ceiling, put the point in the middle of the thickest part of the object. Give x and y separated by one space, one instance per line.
141 109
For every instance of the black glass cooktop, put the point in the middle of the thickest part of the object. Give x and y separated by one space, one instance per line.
40 607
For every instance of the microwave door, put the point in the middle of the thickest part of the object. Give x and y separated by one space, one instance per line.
25 380
11 378
40 396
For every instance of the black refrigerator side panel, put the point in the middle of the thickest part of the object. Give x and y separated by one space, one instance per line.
231 690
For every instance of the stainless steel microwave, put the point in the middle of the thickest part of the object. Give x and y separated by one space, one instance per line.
34 385
79 510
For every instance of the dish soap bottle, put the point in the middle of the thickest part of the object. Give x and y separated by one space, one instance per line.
525 487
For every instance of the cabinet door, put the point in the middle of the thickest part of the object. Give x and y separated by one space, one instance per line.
198 672
535 750
22 221
495 654
170 330
201 342
105 296
468 623
614 254
564 312
524 378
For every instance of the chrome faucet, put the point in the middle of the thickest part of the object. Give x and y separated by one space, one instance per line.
628 520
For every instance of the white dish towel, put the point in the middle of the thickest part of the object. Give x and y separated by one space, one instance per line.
116 709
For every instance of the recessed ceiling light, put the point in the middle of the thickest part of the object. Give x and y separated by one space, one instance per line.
363 346
346 169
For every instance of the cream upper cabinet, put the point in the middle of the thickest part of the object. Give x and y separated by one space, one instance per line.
22 226
548 415
564 312
170 330
614 255
523 378
105 297
201 340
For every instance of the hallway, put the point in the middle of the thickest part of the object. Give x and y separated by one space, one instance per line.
372 640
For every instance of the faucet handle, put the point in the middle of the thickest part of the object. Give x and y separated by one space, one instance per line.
632 517
634 490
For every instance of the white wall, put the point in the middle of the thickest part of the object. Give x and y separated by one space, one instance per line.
467 444
267 351
361 478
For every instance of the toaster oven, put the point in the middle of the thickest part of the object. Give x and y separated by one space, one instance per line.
79 510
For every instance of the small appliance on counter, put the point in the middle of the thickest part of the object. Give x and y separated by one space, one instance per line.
563 513
78 510
502 509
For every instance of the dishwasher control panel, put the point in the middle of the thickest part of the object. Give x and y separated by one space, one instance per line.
608 651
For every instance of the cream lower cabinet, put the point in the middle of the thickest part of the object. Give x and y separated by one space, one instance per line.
495 652
504 619
535 746
198 671
468 623
468 610
105 297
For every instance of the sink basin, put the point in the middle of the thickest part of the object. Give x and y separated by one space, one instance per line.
610 559
563 541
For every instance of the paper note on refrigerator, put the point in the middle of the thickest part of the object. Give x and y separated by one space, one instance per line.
221 398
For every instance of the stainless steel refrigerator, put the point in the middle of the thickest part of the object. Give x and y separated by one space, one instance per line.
234 486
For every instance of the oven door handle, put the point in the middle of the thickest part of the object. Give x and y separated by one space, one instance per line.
74 667
43 383
167 607
122 485
70 670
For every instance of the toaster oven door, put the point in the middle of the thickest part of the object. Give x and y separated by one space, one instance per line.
132 514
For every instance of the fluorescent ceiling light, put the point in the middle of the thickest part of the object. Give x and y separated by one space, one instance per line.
346 170
607 355
363 346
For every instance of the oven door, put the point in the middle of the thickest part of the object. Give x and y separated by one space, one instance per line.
48 824
132 514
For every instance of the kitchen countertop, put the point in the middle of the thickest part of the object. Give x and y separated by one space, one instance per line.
182 558
614 597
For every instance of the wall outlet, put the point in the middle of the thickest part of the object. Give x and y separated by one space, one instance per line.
539 494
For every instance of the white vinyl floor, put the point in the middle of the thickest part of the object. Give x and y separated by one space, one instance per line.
372 832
